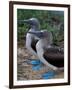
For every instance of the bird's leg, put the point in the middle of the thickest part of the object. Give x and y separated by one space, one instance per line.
40 55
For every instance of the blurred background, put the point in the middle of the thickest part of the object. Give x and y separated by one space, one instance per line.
51 20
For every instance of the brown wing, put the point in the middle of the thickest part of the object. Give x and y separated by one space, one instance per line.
33 44
54 57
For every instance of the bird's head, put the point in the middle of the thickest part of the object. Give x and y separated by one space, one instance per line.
33 22
43 35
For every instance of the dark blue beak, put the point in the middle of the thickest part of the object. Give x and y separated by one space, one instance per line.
23 21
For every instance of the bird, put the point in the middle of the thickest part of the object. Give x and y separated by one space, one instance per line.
50 55
31 40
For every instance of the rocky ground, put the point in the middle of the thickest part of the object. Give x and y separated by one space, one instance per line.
24 68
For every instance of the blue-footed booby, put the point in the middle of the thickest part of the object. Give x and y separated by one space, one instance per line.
31 40
51 56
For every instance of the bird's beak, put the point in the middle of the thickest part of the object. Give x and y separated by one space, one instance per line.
23 21
26 21
38 34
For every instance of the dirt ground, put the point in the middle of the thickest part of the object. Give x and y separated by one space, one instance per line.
24 69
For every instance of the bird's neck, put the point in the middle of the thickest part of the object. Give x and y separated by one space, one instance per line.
41 44
33 28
